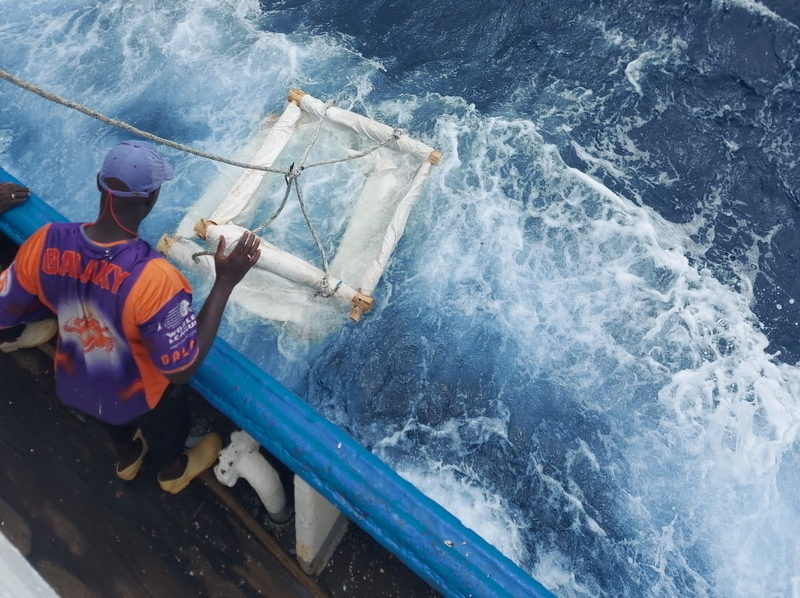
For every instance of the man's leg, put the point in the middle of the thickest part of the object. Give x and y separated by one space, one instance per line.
166 429
162 432
129 447
8 335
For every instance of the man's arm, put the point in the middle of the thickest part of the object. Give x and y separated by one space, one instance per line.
19 285
230 271
12 195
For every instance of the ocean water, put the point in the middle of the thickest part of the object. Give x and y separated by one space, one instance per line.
586 345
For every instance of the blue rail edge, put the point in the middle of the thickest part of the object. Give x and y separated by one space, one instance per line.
425 536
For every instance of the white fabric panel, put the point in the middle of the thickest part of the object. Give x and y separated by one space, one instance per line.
394 231
240 195
372 213
362 125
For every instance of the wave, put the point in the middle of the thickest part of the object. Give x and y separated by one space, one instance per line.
550 356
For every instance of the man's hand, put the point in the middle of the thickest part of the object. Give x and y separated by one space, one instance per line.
12 195
230 271
232 268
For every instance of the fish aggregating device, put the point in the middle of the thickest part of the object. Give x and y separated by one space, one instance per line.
284 286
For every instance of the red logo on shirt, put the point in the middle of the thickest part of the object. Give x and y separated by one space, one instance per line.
103 274
94 336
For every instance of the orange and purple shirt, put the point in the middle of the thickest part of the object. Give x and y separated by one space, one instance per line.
125 317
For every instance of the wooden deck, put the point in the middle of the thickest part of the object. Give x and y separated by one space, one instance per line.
90 534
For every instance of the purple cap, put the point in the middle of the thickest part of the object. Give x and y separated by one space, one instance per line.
138 165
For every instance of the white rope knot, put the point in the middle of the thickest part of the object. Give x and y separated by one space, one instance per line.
293 173
323 288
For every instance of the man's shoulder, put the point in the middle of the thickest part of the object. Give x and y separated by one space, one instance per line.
160 272
158 284
62 226
59 232
158 264
35 243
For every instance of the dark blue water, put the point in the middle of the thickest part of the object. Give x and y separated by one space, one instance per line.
715 121
710 137
586 344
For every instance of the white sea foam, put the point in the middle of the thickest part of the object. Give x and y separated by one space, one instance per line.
600 296
520 281
485 513
633 70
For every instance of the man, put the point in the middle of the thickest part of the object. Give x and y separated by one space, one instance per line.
128 337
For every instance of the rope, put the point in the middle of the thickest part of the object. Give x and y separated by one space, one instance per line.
291 181
294 173
311 228
277 212
196 255
323 289
178 146
291 174
396 134
328 104
130 128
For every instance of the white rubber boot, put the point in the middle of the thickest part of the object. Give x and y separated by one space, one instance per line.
34 334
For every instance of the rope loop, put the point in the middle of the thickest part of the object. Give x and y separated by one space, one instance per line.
196 255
